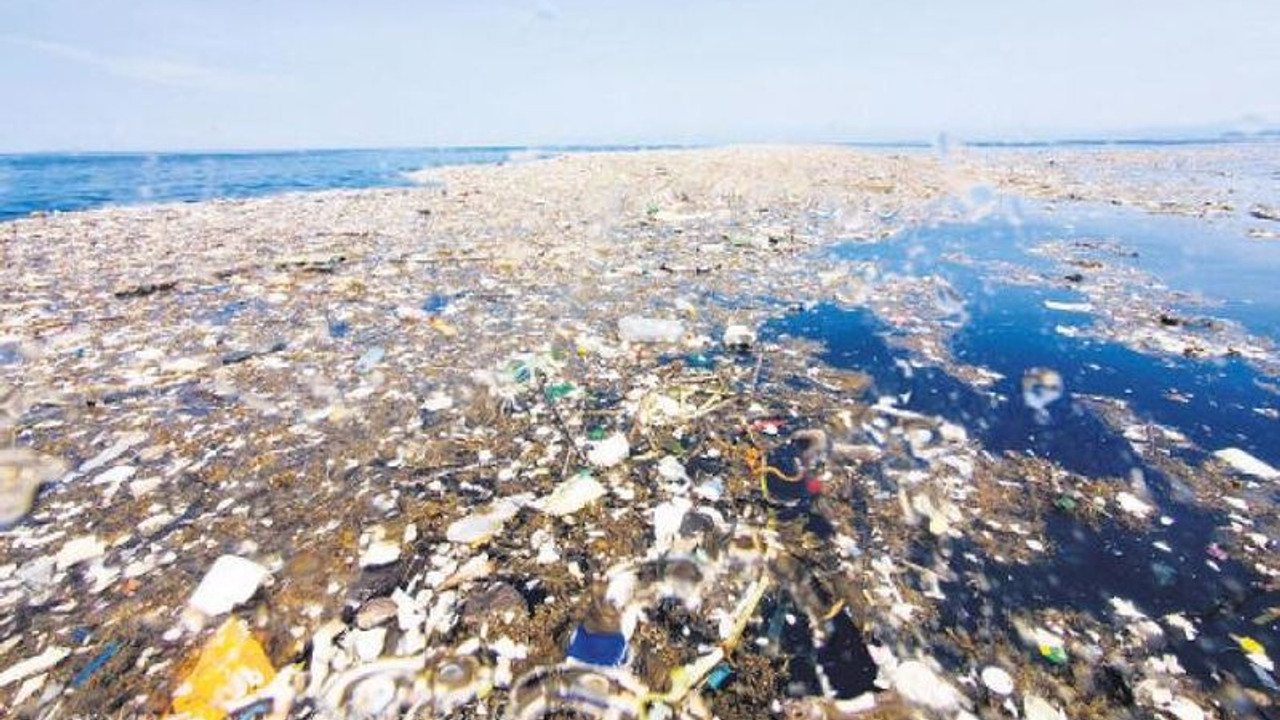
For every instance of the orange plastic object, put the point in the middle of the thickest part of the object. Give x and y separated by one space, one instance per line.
231 666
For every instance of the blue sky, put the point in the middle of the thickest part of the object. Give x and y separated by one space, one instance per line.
186 74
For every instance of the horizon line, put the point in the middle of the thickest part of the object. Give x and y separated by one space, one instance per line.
953 139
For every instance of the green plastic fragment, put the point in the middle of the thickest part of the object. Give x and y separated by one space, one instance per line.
1055 654
557 391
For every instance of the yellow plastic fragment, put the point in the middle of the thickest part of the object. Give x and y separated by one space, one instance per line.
443 327
834 611
231 666
1250 646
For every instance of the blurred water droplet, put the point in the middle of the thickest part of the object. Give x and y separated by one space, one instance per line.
1041 387
948 300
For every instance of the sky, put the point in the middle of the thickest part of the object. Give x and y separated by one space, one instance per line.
251 74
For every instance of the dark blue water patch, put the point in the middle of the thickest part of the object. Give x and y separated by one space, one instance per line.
854 339
921 249
1212 401
1089 565
1010 333
842 656
1010 330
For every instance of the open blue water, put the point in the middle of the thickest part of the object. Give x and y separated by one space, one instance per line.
72 181
44 182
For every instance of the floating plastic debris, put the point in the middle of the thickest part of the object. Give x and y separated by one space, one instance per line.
920 685
608 452
1255 652
949 302
1050 646
1130 503
597 647
379 553
230 581
79 550
231 665
370 359
997 680
479 527
23 669
376 612
719 677
1035 707
1184 708
699 361
739 338
572 495
557 391
125 442
86 673
1082 307
637 329
437 402
1247 464
1215 551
